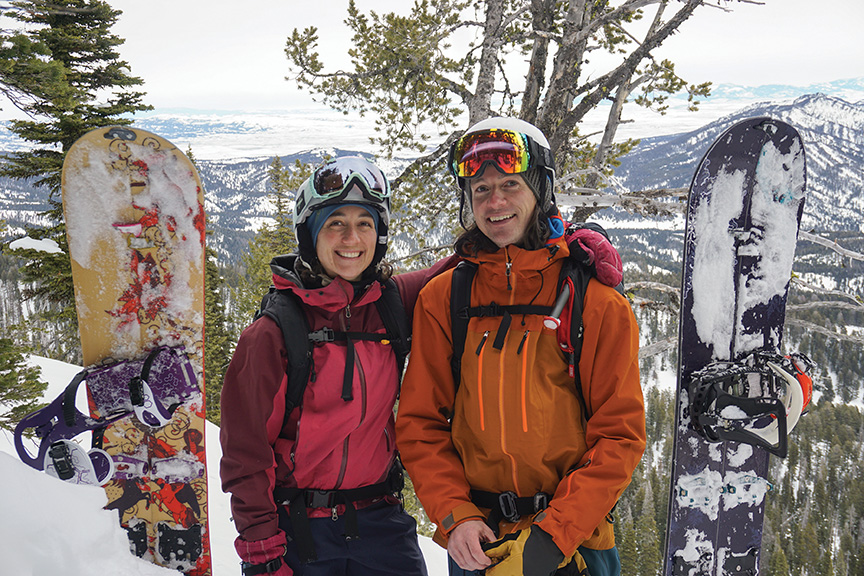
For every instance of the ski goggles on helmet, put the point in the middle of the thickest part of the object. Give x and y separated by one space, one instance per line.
511 152
335 178
350 179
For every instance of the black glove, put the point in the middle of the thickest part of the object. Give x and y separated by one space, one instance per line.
529 552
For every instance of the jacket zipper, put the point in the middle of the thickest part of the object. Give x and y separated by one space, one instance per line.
509 266
346 326
480 379
524 381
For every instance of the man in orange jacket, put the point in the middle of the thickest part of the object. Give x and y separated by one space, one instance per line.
517 473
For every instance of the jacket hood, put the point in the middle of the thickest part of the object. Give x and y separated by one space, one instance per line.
284 271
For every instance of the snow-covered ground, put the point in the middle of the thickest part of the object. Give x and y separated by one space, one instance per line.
50 527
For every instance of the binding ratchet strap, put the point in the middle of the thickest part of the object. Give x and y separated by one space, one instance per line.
757 400
147 408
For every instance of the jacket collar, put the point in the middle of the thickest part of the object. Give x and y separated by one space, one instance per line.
334 296
519 258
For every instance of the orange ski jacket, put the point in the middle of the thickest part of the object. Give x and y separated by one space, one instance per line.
516 423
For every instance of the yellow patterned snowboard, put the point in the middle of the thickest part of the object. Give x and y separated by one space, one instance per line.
134 210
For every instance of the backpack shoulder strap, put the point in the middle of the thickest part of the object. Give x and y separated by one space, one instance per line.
283 308
579 275
396 322
460 301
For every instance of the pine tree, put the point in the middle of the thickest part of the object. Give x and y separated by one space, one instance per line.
649 540
20 384
271 240
627 542
217 338
89 87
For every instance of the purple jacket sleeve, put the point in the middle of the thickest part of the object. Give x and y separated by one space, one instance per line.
410 283
253 411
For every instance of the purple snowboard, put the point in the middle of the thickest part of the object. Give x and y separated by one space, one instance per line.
744 208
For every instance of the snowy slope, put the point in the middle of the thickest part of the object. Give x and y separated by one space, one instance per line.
49 527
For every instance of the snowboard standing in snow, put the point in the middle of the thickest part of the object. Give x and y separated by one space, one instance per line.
738 397
134 210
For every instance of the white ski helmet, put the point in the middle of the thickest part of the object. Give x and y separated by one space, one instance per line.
513 146
344 180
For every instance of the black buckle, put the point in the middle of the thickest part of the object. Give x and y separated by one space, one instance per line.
61 457
322 335
319 499
136 391
507 503
250 569
541 501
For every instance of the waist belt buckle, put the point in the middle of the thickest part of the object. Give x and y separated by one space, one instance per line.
319 499
507 503
541 501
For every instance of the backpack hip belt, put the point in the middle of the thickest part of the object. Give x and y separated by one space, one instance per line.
299 499
508 506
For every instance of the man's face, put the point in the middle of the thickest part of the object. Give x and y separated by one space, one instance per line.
503 206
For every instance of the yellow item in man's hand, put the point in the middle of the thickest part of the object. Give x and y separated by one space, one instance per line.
529 552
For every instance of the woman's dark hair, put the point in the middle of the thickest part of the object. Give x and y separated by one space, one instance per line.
473 241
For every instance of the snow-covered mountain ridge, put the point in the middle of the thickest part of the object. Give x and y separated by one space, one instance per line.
830 128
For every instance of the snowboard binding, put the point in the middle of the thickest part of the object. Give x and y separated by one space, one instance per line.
70 462
152 405
757 400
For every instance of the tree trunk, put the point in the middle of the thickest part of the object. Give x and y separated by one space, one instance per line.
480 105
542 13
565 71
610 81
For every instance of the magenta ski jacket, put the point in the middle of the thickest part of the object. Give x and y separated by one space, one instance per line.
326 443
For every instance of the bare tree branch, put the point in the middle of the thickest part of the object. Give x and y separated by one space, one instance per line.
832 244
658 347
825 304
811 327
423 251
423 160
797 281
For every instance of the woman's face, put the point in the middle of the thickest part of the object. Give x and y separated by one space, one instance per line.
346 243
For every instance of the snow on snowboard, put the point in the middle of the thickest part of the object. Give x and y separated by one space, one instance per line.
738 395
134 210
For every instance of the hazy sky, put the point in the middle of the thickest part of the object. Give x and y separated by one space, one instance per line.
222 55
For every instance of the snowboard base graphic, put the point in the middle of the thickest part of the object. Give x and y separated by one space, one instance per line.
736 391
134 213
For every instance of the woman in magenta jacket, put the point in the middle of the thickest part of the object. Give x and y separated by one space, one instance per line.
315 490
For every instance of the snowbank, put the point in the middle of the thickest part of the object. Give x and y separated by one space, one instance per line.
49 527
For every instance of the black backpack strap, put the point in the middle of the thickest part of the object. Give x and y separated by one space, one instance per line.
460 302
580 275
396 322
283 308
